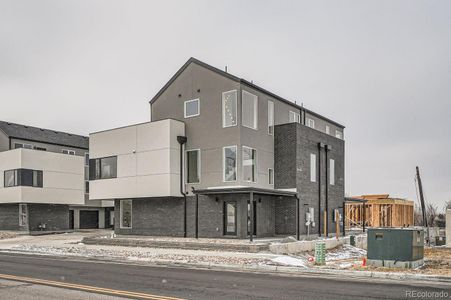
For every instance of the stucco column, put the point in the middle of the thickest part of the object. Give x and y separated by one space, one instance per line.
102 218
76 218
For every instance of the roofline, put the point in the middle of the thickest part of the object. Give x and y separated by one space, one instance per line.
131 125
240 80
44 142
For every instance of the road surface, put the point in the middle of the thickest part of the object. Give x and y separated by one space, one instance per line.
128 280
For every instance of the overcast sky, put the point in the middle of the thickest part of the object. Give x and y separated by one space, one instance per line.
381 68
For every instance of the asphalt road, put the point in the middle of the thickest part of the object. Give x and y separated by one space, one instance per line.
203 284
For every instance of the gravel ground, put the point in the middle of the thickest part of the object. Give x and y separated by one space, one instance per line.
7 235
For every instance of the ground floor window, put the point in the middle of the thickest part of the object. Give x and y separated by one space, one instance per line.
126 213
23 215
230 218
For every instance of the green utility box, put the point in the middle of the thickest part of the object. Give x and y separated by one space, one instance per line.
395 247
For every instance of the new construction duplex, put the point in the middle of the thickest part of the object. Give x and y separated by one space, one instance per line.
220 157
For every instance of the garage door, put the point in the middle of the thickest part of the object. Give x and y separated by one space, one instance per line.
89 219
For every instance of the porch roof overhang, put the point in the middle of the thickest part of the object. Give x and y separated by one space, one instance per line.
242 190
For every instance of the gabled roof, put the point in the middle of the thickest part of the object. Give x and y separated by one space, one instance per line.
237 79
36 134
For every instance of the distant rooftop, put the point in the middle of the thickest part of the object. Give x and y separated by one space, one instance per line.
36 134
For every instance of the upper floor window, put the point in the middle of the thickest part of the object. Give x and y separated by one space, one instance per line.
191 108
313 167
338 134
295 117
270 176
23 177
229 108
270 117
40 148
332 172
103 168
86 159
66 151
230 163
193 166
22 145
327 129
311 123
249 164
249 110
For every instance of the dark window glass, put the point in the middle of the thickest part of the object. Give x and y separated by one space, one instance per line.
230 218
26 177
17 145
37 178
87 187
108 167
23 177
192 161
92 169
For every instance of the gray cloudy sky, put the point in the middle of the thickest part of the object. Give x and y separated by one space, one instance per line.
382 68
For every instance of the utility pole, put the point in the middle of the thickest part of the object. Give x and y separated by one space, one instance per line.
423 206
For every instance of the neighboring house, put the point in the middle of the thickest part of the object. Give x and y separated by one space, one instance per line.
448 227
379 210
44 175
249 156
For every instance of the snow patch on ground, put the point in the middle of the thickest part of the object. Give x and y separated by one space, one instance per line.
290 261
345 252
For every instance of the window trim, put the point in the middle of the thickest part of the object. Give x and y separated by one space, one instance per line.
86 161
225 232
255 110
311 123
270 176
236 163
121 211
198 108
236 109
98 168
338 134
199 166
327 129
272 117
23 146
313 168
18 178
297 117
256 164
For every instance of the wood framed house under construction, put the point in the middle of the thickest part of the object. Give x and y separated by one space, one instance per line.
378 211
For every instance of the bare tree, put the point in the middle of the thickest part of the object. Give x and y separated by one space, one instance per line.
431 215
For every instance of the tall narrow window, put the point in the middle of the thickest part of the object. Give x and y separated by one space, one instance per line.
338 134
249 164
271 176
311 123
229 108
108 167
230 163
313 167
230 218
327 129
37 178
125 211
295 117
191 108
10 178
193 166
249 106
332 172
23 215
270 117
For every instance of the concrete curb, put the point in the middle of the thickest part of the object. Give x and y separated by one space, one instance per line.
263 269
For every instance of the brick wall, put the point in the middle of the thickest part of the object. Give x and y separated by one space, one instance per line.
56 217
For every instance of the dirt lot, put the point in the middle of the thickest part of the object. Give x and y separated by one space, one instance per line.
437 262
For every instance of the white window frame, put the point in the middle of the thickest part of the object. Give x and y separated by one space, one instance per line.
332 171
198 108
296 117
236 163
270 176
69 152
24 146
327 129
198 165
121 214
236 109
311 123
313 173
87 156
270 117
255 127
338 134
256 164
